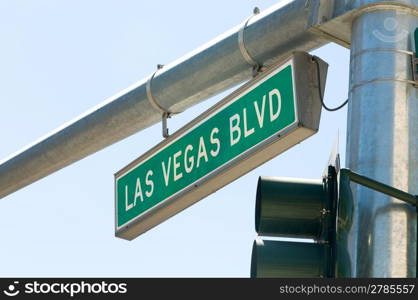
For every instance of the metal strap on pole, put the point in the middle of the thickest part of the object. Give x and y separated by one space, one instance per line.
244 52
414 62
166 113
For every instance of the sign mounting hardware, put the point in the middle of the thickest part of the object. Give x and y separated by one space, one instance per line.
166 113
263 118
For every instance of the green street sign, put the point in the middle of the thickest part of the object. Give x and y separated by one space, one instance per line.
268 115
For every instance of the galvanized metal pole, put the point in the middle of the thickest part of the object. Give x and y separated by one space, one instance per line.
211 69
382 139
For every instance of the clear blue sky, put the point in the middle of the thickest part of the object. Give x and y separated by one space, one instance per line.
60 58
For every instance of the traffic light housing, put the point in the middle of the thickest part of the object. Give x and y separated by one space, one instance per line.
299 209
277 215
289 259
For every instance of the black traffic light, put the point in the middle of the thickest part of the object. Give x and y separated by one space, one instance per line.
301 209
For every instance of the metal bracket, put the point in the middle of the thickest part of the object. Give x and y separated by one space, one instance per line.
381 187
244 52
165 112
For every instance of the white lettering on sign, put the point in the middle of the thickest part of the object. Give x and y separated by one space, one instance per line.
150 183
275 115
128 205
234 126
188 161
275 106
260 115
184 161
214 140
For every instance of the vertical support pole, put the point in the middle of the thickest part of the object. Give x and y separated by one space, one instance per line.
382 141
